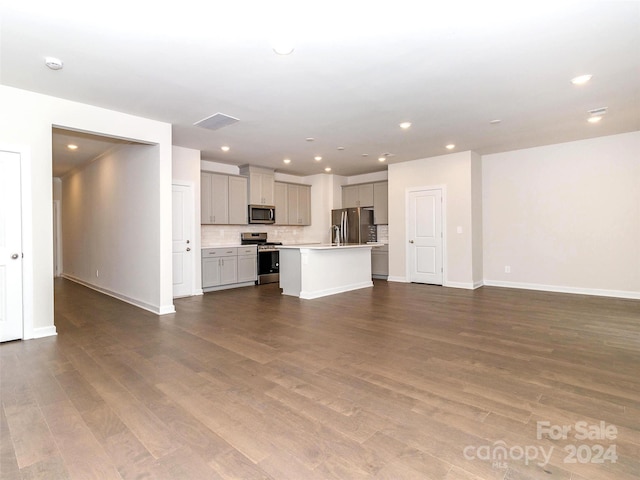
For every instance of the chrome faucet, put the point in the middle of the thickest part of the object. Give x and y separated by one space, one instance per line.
335 233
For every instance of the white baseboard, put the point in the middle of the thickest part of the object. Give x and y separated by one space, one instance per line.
564 289
332 291
41 332
463 285
158 310
397 279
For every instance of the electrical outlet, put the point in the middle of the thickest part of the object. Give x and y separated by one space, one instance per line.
507 269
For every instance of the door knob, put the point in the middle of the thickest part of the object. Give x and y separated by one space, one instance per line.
188 241
410 241
188 249
15 256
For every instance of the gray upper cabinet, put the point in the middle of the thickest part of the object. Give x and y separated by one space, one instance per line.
299 204
373 194
381 203
222 199
281 203
237 200
261 185
357 195
293 204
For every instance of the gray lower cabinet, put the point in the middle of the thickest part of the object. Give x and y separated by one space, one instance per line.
228 267
380 261
247 264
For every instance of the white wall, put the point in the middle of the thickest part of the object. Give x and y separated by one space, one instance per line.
26 119
565 217
186 167
109 232
454 173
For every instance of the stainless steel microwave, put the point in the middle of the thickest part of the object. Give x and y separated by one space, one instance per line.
262 214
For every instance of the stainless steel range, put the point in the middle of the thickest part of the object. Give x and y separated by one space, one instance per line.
268 256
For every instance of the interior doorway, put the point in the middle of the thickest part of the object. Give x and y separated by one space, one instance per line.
425 235
11 250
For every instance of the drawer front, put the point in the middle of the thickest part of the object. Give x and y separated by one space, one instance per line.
219 252
247 250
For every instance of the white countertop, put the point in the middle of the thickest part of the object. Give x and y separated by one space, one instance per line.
330 246
230 245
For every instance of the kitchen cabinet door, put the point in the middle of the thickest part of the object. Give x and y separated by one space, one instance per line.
304 204
380 261
219 199
247 268
261 186
210 272
350 196
206 215
228 270
365 195
281 203
357 195
238 200
299 204
381 203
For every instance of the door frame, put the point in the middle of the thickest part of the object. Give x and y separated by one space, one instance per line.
408 191
196 287
27 236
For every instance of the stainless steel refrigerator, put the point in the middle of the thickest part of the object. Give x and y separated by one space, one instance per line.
352 225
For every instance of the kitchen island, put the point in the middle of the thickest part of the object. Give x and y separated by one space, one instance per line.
317 270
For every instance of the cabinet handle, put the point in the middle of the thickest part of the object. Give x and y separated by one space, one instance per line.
188 249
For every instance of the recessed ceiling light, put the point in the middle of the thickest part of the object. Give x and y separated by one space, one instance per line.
309 139
283 46
495 122
340 148
382 159
287 160
328 169
53 63
71 146
581 80
225 148
405 125
451 146
317 158
594 118
365 154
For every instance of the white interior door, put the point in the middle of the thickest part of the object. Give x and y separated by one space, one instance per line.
11 321
424 232
183 254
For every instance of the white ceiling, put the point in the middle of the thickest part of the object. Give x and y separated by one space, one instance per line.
358 70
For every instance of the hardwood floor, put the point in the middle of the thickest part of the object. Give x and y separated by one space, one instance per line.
400 381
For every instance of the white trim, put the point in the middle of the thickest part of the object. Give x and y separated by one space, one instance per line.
565 289
443 191
42 332
332 291
397 279
158 310
27 239
464 285
57 238
195 235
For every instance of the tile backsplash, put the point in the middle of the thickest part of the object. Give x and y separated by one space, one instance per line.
212 235
383 233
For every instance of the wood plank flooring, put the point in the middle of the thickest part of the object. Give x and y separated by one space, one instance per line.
399 381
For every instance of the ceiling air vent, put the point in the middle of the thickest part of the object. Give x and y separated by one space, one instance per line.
216 121
598 111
